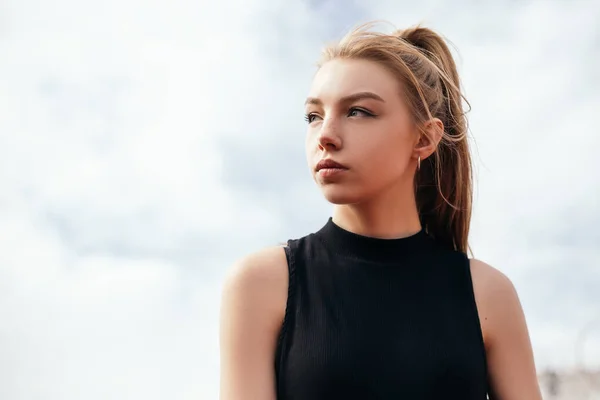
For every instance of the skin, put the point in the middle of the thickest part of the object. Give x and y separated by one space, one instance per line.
374 136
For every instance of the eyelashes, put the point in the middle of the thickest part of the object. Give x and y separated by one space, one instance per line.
309 117
353 112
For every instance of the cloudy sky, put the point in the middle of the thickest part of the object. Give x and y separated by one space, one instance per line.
146 145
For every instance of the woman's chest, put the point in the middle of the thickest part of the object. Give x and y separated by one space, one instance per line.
381 354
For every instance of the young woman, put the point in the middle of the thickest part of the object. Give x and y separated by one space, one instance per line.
382 302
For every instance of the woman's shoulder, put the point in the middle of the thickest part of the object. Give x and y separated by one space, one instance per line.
497 299
258 282
253 304
259 271
508 345
491 282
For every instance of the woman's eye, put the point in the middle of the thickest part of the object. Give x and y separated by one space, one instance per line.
359 112
353 112
310 117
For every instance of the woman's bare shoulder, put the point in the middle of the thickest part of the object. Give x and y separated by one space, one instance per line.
497 301
260 270
508 346
253 301
491 279
492 287
258 282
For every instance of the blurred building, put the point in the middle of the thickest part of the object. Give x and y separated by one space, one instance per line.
570 385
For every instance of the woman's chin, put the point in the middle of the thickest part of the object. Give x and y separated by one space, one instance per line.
340 195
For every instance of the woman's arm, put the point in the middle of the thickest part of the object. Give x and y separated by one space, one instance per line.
511 365
253 304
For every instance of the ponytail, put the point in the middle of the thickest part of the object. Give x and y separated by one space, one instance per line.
444 187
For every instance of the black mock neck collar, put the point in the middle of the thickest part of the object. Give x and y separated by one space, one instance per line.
368 248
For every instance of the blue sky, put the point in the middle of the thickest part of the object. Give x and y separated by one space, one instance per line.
145 146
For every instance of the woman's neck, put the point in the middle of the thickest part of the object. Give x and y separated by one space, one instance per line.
386 216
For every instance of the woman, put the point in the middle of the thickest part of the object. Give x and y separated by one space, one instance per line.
382 302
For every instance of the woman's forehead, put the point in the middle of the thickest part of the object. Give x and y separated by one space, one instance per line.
338 79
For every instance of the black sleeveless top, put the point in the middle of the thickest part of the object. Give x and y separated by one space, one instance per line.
370 318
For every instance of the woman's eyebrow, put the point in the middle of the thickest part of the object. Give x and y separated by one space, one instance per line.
347 99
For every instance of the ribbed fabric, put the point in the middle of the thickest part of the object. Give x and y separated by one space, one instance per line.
371 318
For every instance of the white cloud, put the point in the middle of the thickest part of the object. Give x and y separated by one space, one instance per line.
109 128
120 120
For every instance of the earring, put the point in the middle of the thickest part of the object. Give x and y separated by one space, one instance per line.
419 163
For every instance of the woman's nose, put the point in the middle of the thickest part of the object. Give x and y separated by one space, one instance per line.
329 138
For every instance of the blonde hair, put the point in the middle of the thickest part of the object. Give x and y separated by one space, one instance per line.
422 62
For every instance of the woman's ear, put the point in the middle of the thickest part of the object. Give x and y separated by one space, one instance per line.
431 135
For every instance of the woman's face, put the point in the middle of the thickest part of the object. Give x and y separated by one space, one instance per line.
357 118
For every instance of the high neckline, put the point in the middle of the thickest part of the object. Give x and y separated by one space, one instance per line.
368 248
